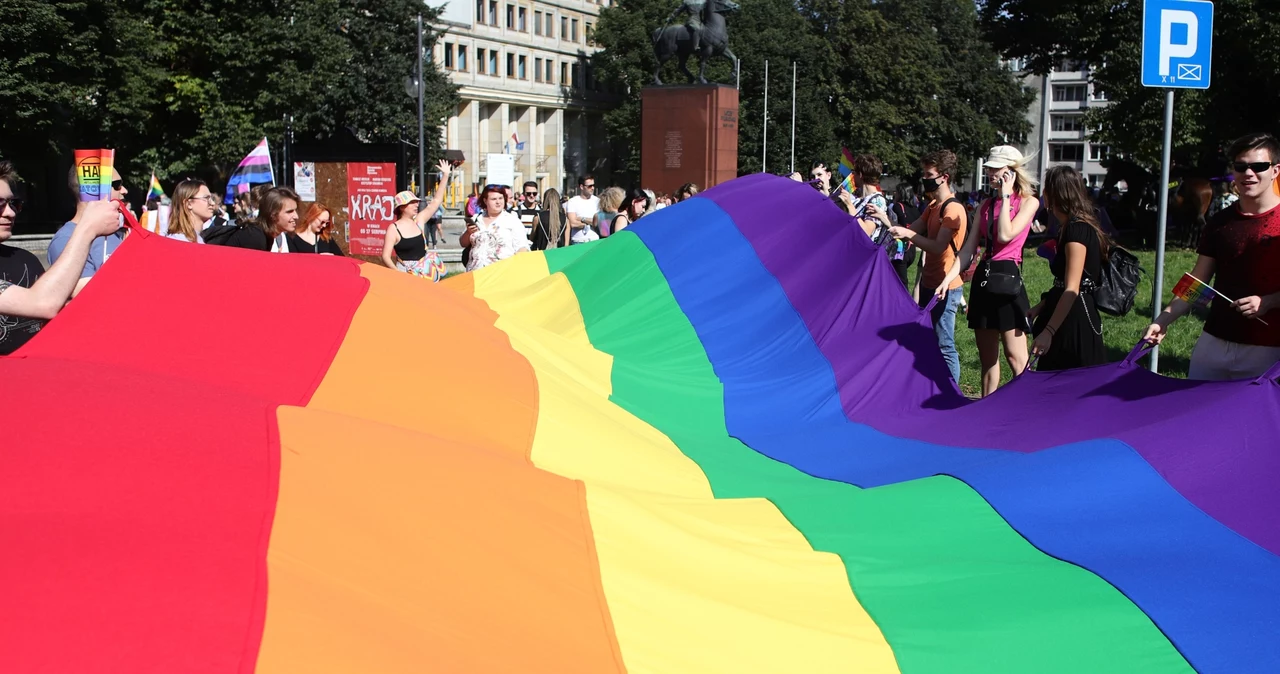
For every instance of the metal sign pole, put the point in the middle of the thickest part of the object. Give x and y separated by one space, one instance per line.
1162 214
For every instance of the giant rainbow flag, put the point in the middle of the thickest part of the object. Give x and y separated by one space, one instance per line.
720 441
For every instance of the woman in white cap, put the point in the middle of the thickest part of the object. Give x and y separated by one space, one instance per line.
406 238
998 305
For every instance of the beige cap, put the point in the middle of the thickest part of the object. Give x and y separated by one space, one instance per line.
1004 156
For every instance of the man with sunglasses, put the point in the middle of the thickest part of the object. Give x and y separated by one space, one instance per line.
29 295
1241 248
103 247
582 210
528 210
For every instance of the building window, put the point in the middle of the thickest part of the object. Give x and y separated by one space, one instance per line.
1066 65
1066 152
511 65
480 11
520 71
1068 122
1097 94
493 62
537 23
1068 92
573 81
1099 152
573 30
448 55
480 62
462 58
564 27
511 17
564 74
493 12
549 76
1097 179
591 35
537 70
522 23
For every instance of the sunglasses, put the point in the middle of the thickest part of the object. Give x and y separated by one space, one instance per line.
589 187
531 194
15 204
117 184
1255 166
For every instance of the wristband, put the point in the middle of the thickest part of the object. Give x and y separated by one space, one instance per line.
1051 330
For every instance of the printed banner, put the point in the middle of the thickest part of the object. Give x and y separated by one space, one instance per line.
371 192
93 172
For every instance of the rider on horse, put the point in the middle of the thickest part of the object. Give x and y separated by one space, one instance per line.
694 9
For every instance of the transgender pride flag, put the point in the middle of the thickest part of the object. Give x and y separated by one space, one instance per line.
255 168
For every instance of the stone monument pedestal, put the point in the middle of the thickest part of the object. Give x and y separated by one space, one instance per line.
688 134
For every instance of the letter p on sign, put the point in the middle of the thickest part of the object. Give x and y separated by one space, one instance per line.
1170 50
1177 43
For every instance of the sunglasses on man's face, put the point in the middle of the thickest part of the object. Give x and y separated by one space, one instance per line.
14 203
592 186
1255 166
531 194
117 184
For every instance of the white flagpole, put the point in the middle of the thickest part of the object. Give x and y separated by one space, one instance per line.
793 116
764 140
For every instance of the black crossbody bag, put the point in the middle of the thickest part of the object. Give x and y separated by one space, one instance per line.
997 277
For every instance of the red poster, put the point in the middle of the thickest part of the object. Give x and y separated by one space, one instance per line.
371 193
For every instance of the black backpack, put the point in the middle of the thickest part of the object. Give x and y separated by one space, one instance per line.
1119 284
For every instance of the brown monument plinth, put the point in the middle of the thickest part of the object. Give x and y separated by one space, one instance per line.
688 134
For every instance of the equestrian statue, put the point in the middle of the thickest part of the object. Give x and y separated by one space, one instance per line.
703 34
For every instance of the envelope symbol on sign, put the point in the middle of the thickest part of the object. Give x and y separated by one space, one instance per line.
1187 71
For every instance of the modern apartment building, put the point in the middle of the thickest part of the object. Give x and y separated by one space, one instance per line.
1059 135
526 86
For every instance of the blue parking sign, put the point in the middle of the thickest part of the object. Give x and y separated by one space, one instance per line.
1177 43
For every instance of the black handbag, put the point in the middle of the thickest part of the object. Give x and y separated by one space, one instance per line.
993 277
1119 284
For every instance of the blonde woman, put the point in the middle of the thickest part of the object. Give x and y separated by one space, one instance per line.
998 306
610 204
552 230
191 207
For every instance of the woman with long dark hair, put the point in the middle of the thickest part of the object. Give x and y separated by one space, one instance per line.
633 206
277 216
1068 328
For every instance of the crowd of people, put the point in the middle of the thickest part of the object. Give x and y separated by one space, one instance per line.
958 238
953 238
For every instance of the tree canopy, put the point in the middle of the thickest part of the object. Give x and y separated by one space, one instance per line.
189 87
895 78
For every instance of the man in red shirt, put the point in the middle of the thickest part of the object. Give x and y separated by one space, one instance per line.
1241 247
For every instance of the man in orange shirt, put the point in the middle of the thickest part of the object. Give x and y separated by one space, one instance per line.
940 233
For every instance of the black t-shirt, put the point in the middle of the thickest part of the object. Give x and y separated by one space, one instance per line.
1082 233
299 245
20 268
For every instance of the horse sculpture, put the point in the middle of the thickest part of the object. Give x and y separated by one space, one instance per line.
708 40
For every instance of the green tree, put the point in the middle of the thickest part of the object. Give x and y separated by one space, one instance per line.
1245 80
188 87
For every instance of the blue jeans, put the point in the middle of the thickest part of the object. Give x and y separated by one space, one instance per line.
944 326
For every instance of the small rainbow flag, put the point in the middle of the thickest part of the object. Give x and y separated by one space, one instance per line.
156 191
1195 292
93 172
846 170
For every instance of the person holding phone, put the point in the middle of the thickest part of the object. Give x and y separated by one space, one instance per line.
998 305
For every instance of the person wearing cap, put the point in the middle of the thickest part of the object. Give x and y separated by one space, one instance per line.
406 238
998 305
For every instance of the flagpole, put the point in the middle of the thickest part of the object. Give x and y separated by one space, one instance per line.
764 142
422 150
793 117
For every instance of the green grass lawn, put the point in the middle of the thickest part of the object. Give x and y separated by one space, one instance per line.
1120 333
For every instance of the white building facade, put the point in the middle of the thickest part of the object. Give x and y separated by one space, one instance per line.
526 89
1059 135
